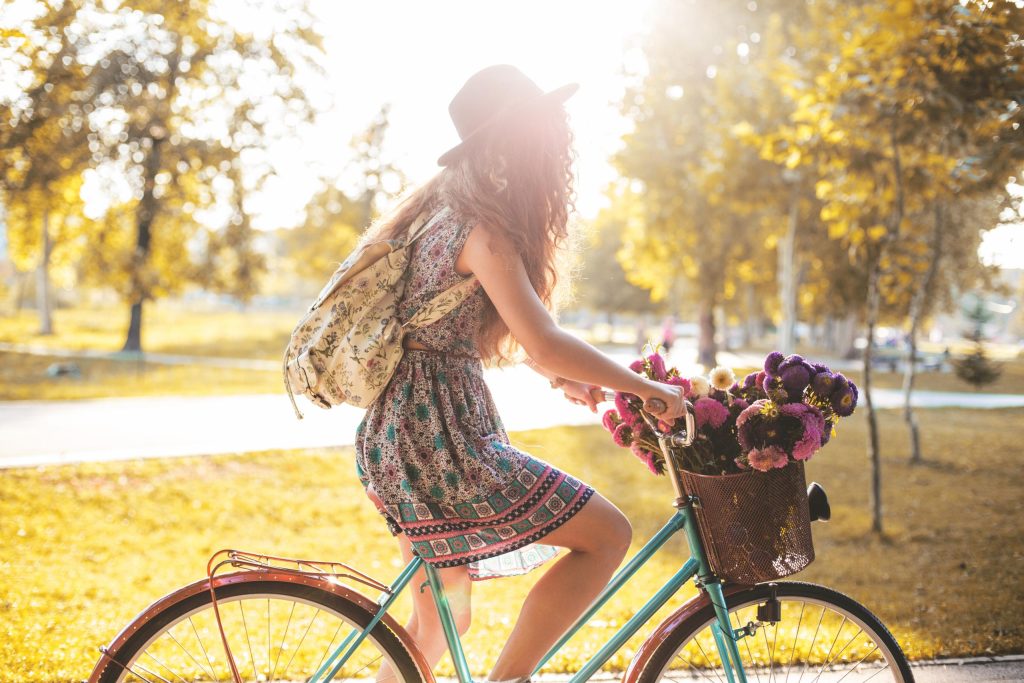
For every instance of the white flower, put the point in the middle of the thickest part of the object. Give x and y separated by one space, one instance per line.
722 378
699 386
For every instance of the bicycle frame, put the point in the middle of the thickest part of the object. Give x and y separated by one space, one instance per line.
695 566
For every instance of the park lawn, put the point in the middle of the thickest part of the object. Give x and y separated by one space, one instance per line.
85 547
166 328
23 377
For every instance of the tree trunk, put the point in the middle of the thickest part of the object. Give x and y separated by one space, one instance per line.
707 352
917 307
845 330
874 453
787 279
44 295
157 132
143 237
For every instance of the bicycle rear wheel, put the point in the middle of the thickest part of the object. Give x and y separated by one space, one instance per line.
821 635
277 631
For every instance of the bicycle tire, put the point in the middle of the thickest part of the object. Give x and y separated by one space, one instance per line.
688 651
347 611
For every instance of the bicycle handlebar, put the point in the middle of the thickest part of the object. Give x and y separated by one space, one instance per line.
681 438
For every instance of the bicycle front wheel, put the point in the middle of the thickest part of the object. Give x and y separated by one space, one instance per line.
277 631
821 635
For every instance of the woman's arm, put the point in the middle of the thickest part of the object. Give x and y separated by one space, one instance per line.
501 273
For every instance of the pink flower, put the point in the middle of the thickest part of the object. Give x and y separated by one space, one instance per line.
678 381
708 411
813 423
611 420
766 458
657 367
650 459
637 365
625 410
623 435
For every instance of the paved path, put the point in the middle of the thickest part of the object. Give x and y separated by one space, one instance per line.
46 432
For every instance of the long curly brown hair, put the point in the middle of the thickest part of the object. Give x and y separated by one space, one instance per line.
517 181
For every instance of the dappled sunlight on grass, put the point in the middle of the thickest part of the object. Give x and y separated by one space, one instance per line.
166 329
86 547
23 377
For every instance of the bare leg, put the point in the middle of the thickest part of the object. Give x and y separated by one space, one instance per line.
425 625
597 537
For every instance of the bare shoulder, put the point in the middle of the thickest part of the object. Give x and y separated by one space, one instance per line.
485 250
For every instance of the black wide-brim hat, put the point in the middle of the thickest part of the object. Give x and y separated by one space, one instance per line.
490 94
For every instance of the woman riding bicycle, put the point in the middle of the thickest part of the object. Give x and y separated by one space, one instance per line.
432 450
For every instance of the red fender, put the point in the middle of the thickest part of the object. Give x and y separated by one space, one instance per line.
671 622
270 575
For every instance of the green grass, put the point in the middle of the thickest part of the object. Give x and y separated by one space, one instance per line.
165 329
85 547
23 377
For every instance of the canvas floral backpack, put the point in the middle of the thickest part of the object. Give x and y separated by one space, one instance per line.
347 345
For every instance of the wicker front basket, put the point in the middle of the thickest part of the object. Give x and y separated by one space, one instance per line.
755 526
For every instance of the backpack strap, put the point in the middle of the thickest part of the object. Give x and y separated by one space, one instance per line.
442 304
419 225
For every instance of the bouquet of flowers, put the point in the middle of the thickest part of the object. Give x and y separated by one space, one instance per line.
783 413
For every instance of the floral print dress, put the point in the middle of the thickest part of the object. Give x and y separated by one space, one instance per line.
434 448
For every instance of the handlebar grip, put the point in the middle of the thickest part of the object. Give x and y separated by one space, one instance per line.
655 406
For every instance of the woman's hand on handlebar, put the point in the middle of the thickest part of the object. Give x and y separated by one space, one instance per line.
582 394
672 396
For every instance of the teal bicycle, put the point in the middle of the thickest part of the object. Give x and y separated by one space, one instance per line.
284 619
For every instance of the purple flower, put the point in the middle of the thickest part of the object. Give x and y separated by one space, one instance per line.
657 366
739 405
772 362
842 398
708 411
611 420
818 368
766 458
823 383
750 381
856 392
826 434
794 380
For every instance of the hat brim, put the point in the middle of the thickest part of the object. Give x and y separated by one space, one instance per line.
559 94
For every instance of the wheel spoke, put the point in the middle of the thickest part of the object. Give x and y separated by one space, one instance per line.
171 636
810 648
830 648
245 627
284 637
173 673
708 659
301 640
796 637
855 666
840 653
201 647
